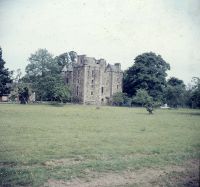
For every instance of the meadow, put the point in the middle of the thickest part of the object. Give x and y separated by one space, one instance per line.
75 145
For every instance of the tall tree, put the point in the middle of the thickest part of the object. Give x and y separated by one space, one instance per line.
23 94
195 93
175 92
41 64
5 77
148 72
44 74
63 59
66 58
73 56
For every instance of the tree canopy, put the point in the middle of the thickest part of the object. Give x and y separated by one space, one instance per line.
195 93
44 74
149 73
5 77
41 64
142 98
175 92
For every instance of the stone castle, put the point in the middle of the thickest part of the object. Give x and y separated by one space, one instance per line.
93 81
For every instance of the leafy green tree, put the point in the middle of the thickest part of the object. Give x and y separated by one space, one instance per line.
149 73
62 93
41 63
63 59
5 77
16 84
120 99
195 93
175 92
44 74
73 55
149 108
52 88
173 81
23 95
142 98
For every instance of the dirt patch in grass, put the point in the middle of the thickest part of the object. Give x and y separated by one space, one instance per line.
145 177
187 178
61 162
64 161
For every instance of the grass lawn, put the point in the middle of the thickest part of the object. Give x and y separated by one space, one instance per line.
39 143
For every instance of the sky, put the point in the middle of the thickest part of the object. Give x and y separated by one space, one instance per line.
116 30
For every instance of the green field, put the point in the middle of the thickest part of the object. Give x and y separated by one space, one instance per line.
41 143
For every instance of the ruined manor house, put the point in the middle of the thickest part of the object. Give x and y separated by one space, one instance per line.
93 81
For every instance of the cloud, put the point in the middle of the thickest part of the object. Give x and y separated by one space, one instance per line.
115 30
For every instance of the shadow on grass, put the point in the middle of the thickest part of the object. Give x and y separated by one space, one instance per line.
56 104
145 114
189 113
13 177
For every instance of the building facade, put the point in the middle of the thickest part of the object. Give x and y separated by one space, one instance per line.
93 81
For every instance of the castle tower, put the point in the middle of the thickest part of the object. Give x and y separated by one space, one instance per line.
93 81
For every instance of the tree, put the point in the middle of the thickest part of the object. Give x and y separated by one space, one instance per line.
41 64
175 92
149 108
149 73
119 99
63 59
173 81
52 88
62 93
44 74
16 85
5 77
195 93
142 97
18 75
23 95
73 55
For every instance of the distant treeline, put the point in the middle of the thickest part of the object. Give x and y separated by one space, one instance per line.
144 83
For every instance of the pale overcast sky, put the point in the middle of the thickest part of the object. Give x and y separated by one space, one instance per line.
117 30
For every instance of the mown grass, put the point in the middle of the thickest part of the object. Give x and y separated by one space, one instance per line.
109 139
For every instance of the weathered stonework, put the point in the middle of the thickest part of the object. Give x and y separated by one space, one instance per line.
93 81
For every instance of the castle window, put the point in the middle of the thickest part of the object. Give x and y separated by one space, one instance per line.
92 81
102 90
92 73
117 86
77 90
91 93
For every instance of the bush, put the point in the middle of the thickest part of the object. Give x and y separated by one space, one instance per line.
120 99
142 98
